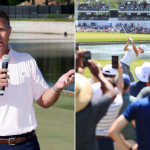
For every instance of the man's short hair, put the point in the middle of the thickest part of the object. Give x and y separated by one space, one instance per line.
5 16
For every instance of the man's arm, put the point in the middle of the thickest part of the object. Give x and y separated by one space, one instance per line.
120 83
115 133
3 78
106 87
79 58
135 49
50 96
126 48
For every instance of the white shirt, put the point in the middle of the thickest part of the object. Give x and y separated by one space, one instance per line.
96 91
130 56
26 82
105 123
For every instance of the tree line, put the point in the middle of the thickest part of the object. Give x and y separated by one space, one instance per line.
16 2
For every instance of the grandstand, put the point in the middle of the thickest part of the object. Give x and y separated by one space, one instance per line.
97 16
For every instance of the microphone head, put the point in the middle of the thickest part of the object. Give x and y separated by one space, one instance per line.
5 58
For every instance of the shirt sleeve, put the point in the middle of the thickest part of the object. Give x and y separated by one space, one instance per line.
100 106
139 55
39 85
96 90
130 112
130 48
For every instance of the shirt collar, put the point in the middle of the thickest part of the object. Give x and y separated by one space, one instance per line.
11 55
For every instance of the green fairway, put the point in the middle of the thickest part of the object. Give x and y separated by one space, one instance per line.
56 124
108 37
104 62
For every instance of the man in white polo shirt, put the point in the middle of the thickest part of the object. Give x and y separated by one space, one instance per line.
22 83
130 56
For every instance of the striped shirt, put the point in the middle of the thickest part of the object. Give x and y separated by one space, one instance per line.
112 112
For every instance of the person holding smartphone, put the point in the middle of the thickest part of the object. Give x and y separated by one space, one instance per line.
132 53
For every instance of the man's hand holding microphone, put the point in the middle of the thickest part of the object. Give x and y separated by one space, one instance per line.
3 74
3 78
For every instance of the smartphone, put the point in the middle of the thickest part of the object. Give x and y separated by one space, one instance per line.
86 57
115 62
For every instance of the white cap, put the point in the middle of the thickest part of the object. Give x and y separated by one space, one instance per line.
108 70
142 72
143 47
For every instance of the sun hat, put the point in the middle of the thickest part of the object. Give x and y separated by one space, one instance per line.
142 72
108 70
83 91
143 47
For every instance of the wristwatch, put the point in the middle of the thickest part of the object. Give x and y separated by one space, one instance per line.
57 91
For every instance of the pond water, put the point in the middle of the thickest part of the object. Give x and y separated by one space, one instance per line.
106 51
53 59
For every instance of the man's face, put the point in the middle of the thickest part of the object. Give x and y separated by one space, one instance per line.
140 50
4 37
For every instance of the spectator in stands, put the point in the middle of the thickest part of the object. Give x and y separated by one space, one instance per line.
132 53
117 28
134 6
89 111
129 131
104 141
142 74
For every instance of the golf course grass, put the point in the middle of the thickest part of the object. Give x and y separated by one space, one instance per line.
88 37
105 62
55 129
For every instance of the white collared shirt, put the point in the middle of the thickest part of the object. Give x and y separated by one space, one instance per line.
26 82
130 56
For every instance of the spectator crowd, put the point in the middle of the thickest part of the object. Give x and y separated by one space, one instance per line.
109 28
135 6
111 109
93 6
93 16
134 16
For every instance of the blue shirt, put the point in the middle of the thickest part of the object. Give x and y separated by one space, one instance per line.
129 131
140 112
136 87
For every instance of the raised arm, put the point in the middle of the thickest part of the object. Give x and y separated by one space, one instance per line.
51 95
120 83
135 49
106 87
126 48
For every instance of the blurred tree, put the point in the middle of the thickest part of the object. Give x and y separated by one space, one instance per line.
46 2
3 2
58 2
33 2
15 2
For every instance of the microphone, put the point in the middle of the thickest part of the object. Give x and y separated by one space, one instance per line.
5 59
